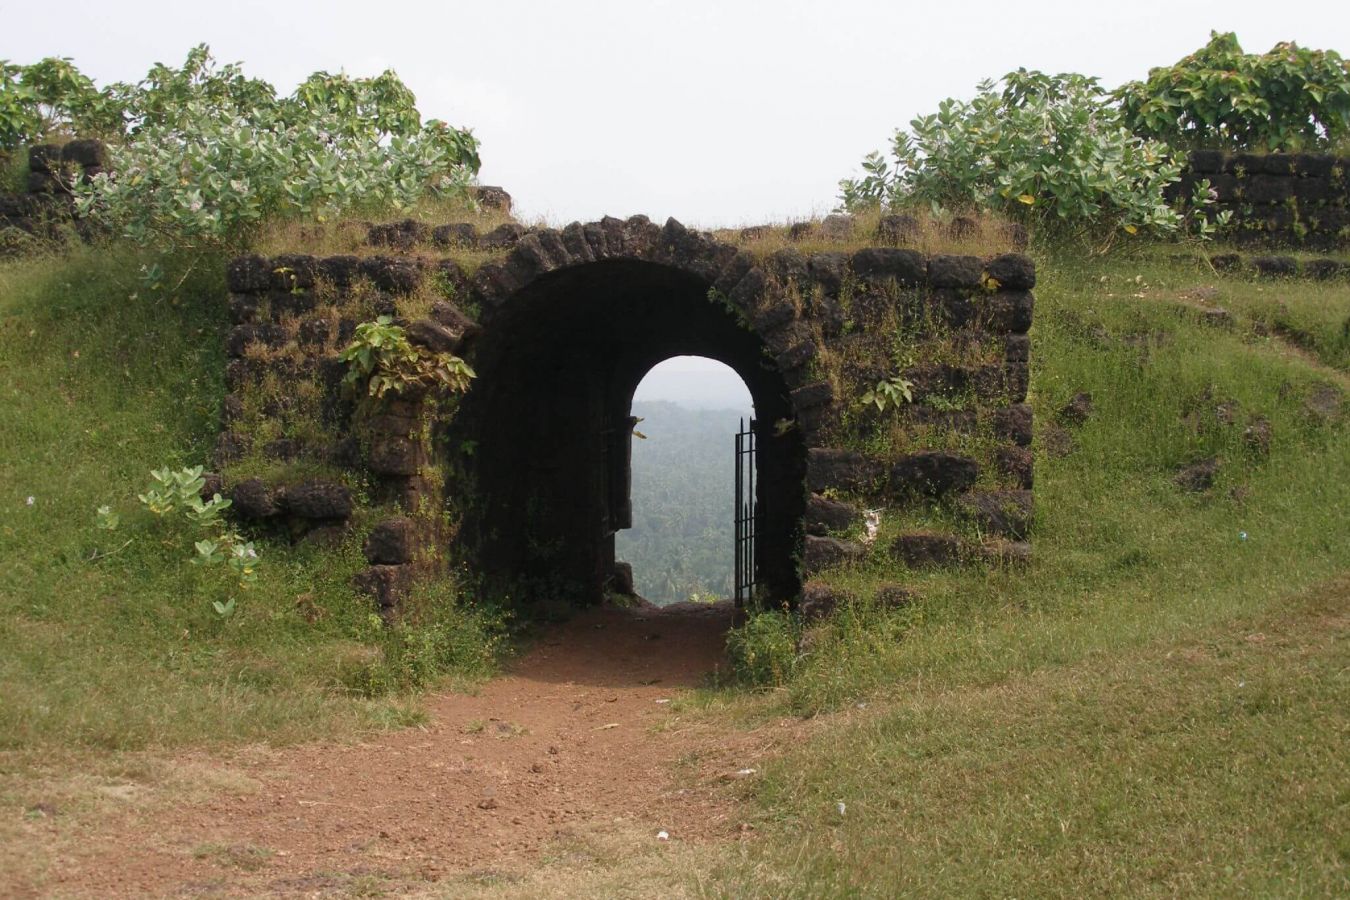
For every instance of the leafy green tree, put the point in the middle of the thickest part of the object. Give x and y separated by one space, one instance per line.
1048 149
52 99
1219 97
210 154
202 155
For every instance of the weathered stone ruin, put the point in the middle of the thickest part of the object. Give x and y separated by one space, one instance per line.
524 479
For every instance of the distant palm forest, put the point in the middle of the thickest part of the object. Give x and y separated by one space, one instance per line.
680 542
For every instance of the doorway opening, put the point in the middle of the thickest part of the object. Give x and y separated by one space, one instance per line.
682 542
550 423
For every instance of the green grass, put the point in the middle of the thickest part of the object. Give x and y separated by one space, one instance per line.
1158 705
109 639
1120 553
1211 765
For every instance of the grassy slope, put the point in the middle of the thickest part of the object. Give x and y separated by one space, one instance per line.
1075 728
1158 706
99 387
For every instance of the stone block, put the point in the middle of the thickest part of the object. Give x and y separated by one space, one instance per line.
824 515
897 229
1078 410
828 270
819 601
319 500
964 272
1012 271
1268 189
909 268
926 549
621 579
826 552
491 197
388 585
390 455
253 500
1007 513
1198 476
458 235
1275 266
241 337
774 316
44 158
837 227
833 469
1018 464
1006 311
1014 423
889 595
292 271
248 274
933 474
393 274
433 335
86 153
314 332
392 542
1003 552
340 271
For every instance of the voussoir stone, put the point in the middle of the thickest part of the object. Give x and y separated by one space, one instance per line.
433 335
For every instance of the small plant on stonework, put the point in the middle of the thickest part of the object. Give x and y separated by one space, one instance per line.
381 358
1197 211
889 392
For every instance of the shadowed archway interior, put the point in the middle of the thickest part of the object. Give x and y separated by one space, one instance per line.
549 423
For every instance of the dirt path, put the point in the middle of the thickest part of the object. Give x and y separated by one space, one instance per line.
579 734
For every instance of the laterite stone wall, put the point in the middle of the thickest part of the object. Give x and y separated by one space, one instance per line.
45 210
1282 199
811 333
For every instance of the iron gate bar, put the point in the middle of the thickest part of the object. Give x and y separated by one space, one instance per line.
746 512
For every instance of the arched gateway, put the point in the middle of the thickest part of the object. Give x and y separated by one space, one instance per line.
560 325
583 315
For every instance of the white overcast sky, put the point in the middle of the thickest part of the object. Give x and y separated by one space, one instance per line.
717 113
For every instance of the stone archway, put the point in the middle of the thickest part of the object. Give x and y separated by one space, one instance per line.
570 334
561 325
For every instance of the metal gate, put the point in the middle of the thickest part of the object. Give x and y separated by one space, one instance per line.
745 512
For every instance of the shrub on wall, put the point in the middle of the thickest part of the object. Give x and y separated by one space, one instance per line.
1221 98
1043 148
202 155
